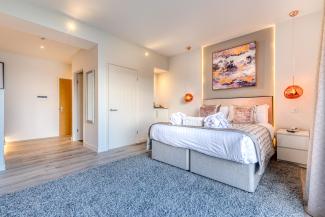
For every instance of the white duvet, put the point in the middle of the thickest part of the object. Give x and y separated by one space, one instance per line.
234 146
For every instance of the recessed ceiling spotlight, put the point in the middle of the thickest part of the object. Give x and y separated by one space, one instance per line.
146 53
42 45
189 48
71 26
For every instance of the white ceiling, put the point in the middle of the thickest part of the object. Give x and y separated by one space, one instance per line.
20 25
29 44
168 26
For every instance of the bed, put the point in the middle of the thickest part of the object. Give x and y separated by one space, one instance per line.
236 156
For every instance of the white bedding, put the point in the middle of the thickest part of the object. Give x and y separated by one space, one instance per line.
234 146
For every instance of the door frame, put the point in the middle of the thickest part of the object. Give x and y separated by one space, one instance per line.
108 100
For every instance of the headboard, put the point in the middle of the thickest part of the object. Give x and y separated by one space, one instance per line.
245 101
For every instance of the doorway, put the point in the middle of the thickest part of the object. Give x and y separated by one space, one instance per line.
65 98
123 103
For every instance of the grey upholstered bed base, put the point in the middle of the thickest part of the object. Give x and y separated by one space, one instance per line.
242 176
178 157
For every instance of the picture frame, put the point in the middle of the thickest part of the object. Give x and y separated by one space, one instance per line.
2 75
234 67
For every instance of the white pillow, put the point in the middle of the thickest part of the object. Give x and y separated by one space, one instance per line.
193 121
224 110
262 114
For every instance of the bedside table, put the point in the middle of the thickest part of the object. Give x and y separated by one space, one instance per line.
293 147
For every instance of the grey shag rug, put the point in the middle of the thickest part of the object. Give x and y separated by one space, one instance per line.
139 186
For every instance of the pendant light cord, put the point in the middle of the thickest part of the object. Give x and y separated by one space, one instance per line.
293 50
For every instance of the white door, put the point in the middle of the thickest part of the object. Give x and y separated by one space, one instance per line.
123 91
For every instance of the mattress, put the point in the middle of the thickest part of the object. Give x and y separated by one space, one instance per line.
228 145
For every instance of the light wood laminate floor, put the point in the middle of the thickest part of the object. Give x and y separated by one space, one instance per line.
35 162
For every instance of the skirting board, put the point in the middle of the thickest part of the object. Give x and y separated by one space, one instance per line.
91 147
36 139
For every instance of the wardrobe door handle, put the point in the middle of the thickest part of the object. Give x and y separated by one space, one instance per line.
113 110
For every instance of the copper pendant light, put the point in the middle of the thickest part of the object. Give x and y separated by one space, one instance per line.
188 97
293 91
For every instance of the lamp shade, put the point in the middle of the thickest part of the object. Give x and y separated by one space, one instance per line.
293 92
188 97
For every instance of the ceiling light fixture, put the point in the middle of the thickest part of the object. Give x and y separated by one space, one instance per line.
71 26
42 45
146 54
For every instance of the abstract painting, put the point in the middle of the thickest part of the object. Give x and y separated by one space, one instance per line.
234 67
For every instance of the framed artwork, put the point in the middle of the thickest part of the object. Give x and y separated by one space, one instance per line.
2 75
234 67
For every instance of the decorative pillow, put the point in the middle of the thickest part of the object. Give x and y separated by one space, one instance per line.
242 114
216 121
207 110
262 114
225 110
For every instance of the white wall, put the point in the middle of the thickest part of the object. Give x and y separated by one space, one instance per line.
85 60
2 161
26 116
110 50
155 87
184 76
129 55
185 73
307 41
